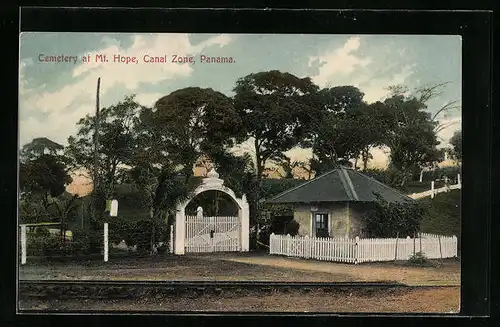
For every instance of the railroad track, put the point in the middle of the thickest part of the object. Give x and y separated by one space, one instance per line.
63 289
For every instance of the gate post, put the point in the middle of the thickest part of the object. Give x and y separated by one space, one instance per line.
244 213
180 230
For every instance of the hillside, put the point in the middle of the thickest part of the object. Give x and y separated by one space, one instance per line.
442 214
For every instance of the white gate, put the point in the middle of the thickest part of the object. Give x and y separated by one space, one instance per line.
212 234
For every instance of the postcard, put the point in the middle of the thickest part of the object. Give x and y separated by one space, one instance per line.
171 172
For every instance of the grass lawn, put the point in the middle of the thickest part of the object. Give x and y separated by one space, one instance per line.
442 214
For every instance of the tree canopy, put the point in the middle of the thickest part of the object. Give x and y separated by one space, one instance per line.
456 143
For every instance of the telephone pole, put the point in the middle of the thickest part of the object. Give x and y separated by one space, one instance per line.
95 208
96 136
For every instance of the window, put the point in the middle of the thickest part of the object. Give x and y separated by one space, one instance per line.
321 225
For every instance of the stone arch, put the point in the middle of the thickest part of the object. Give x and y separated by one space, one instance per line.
212 183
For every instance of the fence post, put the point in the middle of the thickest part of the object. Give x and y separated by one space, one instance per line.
171 239
306 247
288 240
271 243
432 190
456 245
413 243
440 251
396 250
23 244
105 242
420 240
356 251
459 181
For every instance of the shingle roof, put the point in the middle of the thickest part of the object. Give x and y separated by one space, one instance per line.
340 185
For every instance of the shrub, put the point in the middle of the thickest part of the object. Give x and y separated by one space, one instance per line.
418 258
292 228
81 241
139 234
388 219
42 232
450 172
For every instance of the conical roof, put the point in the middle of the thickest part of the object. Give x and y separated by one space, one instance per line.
342 184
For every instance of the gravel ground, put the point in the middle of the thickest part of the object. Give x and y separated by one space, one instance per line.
421 300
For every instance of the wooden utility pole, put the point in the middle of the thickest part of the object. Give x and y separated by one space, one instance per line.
96 154
96 137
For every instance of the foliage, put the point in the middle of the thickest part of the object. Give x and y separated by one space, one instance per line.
195 121
273 187
391 176
138 233
38 147
456 143
418 258
387 219
346 129
292 228
275 109
442 215
284 225
161 191
43 178
439 173
45 175
116 141
411 131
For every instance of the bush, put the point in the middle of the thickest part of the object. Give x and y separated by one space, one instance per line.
388 219
418 258
292 228
450 172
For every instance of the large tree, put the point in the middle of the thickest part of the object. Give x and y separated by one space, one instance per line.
411 132
43 176
39 146
43 172
276 109
345 129
116 142
193 122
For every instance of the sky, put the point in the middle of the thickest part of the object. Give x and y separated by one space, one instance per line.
53 96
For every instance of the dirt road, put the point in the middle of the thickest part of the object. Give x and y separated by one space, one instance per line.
234 267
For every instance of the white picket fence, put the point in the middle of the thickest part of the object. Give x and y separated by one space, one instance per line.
363 250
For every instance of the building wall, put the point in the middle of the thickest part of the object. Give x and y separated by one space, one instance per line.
340 225
356 212
302 215
337 219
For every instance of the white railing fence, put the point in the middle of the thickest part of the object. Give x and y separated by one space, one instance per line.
433 191
363 250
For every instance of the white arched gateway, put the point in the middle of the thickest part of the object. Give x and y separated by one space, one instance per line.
212 234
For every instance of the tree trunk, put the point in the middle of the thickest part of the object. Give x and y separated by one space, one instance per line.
366 156
152 241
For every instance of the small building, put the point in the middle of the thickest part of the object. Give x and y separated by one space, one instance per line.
332 205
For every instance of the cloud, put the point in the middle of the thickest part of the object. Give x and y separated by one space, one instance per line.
338 62
69 103
343 66
375 88
148 99
454 124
